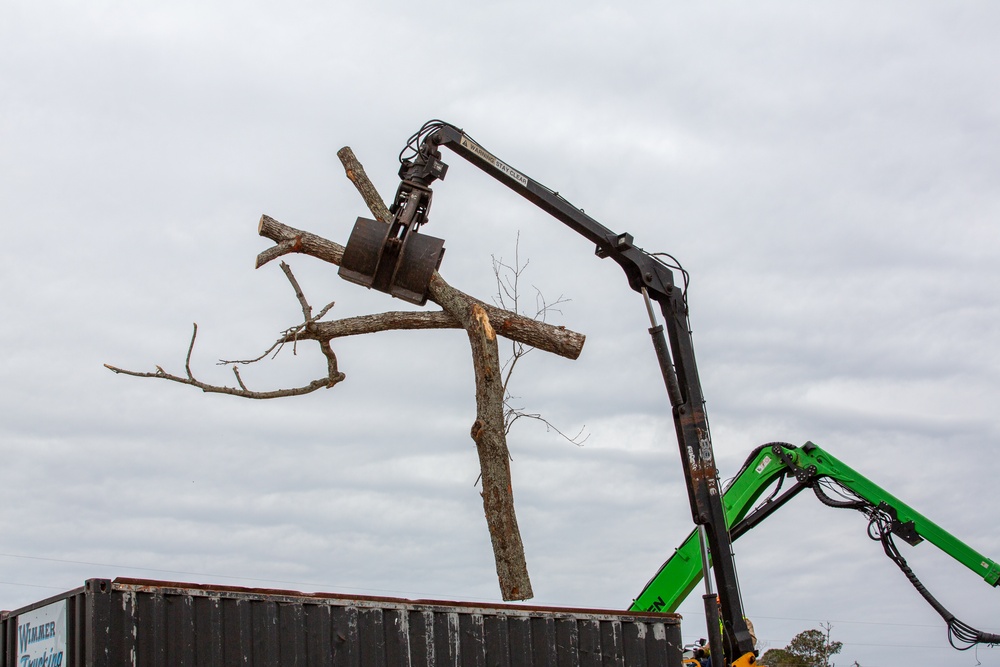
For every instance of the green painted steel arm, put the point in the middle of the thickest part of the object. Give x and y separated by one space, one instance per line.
682 571
828 466
678 576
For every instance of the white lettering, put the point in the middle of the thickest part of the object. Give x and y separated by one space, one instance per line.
493 160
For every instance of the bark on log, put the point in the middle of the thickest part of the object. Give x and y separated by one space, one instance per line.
557 340
491 443
488 431
356 173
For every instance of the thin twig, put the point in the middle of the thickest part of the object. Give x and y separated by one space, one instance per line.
187 360
306 308
508 296
513 414
236 372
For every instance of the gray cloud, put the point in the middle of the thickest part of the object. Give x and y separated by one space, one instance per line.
826 173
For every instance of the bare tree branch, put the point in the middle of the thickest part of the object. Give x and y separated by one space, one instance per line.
283 248
555 339
291 240
306 308
332 378
508 297
356 173
387 321
513 414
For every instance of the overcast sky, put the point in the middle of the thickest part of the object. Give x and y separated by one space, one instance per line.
828 173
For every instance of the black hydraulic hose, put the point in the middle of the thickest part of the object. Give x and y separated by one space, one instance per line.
961 635
860 505
880 529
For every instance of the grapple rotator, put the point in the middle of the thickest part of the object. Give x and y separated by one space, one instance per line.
392 257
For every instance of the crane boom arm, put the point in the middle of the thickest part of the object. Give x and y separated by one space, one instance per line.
391 257
654 279
808 464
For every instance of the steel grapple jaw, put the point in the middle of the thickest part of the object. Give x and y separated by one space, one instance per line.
399 264
391 256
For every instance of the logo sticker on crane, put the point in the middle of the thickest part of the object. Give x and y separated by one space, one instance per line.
486 156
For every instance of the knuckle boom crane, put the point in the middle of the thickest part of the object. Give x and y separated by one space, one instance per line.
836 485
393 258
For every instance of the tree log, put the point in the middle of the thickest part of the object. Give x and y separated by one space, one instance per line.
489 429
356 173
488 432
557 340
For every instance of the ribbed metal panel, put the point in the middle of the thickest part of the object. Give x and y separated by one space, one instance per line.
158 624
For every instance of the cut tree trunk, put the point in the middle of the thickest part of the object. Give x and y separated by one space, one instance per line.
488 431
491 443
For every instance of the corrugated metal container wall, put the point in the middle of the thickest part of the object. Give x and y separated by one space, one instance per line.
160 624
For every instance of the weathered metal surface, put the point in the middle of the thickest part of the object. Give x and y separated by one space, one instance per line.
161 624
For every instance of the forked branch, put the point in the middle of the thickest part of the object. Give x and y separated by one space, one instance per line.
332 378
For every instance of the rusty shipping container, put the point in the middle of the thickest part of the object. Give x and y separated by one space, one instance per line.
161 624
